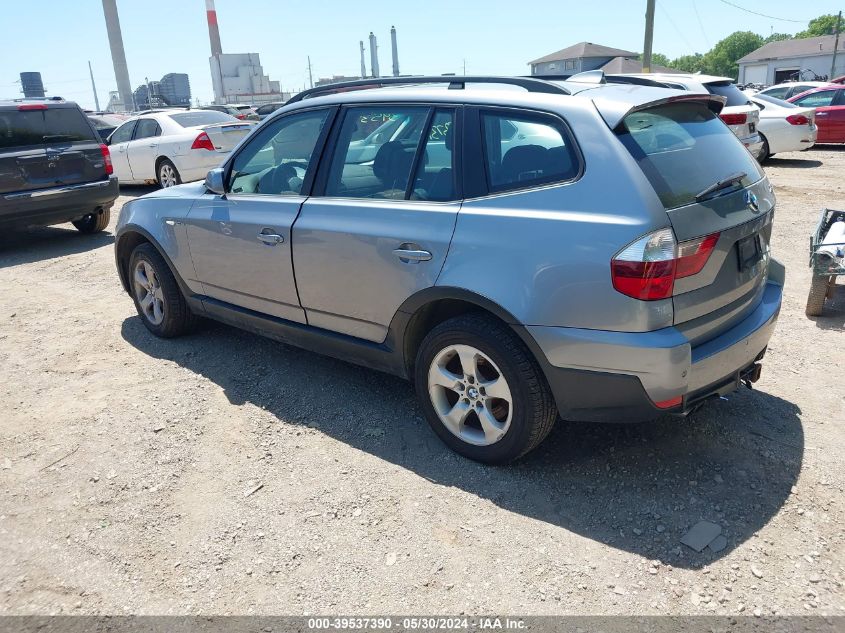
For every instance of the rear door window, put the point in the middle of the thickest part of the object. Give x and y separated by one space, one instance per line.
734 96
526 150
817 99
683 148
147 128
375 152
436 175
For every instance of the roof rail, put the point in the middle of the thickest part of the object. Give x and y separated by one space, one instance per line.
456 82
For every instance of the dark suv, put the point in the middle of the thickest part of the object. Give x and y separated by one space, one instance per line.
54 167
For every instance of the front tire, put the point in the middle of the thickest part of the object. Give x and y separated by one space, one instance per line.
156 294
168 175
93 222
482 391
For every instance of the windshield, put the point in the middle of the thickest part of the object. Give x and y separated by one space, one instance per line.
683 148
734 95
204 117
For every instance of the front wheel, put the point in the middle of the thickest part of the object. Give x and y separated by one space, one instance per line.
157 296
168 175
482 391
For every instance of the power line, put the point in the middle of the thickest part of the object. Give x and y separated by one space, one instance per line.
675 26
771 17
700 25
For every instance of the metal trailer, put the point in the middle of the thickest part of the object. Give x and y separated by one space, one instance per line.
826 267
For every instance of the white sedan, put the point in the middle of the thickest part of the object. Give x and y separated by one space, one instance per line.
783 126
169 147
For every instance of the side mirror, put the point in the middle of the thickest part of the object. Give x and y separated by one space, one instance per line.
214 181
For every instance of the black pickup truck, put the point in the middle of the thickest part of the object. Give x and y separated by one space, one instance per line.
54 167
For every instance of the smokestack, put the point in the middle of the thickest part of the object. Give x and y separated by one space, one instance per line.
363 65
118 56
213 31
395 50
374 55
32 85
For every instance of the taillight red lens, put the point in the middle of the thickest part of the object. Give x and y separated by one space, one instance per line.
240 116
693 255
104 149
797 119
671 402
203 142
32 106
647 269
734 119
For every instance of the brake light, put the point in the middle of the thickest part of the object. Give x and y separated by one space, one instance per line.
104 150
734 119
240 116
671 402
203 142
32 106
797 119
648 268
693 255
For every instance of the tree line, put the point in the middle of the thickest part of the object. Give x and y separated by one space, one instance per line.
721 59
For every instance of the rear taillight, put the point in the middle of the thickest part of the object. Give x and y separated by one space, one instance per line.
104 150
32 106
240 116
203 142
734 119
797 119
693 255
648 268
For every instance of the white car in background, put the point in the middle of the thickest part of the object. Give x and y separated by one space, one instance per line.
784 127
791 88
170 147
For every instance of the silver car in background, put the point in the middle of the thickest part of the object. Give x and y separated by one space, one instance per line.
582 249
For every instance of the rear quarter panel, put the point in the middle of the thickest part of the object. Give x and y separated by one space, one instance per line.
544 254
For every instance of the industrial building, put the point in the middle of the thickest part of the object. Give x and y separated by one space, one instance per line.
175 89
31 85
805 59
586 56
147 95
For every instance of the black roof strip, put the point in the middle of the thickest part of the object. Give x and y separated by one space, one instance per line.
455 82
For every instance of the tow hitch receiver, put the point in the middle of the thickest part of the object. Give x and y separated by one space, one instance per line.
752 374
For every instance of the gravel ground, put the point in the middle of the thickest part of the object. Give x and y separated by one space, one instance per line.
126 464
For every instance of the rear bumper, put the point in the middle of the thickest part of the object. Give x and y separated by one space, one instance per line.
57 204
618 376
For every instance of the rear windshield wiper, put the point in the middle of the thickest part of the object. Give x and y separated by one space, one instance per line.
720 184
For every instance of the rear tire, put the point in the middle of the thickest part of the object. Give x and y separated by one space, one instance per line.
819 287
167 174
156 294
93 222
499 406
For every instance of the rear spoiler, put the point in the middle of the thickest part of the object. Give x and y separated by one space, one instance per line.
614 110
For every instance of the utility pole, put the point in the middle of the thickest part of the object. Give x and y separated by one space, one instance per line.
649 35
835 46
310 76
94 87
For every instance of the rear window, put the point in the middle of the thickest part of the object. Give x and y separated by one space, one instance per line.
205 117
734 95
773 100
683 148
40 127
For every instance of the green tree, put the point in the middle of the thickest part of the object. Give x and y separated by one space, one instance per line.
822 25
659 59
777 37
688 63
721 60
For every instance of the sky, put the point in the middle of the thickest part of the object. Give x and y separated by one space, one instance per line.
59 37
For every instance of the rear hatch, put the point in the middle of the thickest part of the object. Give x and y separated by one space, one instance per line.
224 131
684 150
43 146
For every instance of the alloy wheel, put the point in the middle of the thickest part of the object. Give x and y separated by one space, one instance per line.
167 175
470 395
148 291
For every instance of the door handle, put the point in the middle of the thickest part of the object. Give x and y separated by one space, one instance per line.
412 255
270 238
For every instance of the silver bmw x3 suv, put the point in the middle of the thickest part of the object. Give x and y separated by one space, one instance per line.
518 248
